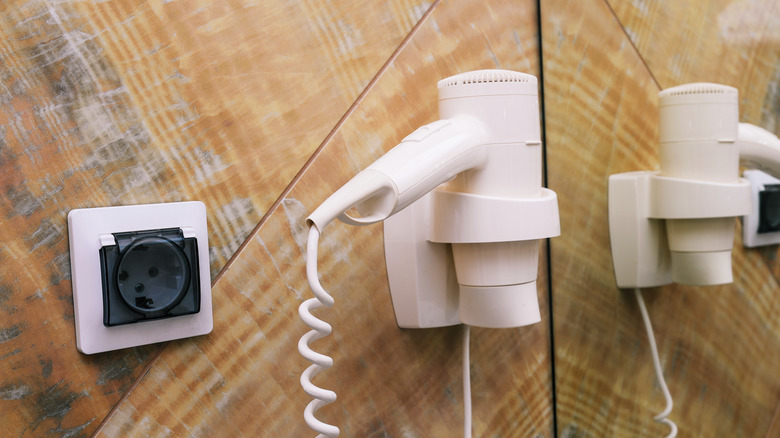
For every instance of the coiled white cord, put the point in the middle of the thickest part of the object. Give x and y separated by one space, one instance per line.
662 417
320 329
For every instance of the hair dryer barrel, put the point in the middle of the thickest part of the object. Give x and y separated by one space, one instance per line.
698 136
498 279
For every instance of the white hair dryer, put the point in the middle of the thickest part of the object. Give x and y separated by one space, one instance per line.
493 210
695 197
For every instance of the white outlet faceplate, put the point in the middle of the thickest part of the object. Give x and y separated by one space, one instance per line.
750 236
85 227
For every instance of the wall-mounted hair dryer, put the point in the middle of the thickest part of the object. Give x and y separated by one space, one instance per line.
491 212
677 224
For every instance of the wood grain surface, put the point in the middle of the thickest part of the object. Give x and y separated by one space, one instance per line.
604 63
113 103
261 110
243 378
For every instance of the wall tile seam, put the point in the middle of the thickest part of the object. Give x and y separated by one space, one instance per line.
633 45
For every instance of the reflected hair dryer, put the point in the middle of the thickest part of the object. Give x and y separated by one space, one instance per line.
697 193
702 140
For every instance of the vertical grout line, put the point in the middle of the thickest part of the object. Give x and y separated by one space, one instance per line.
542 114
281 197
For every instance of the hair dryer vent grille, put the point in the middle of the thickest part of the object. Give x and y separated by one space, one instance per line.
697 88
486 76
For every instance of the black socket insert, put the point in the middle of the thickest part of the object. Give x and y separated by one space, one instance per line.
149 274
769 209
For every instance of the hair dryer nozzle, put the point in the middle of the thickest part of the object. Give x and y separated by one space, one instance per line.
372 193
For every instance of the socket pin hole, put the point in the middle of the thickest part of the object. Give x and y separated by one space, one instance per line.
144 302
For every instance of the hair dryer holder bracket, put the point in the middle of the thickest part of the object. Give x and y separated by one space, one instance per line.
420 266
638 204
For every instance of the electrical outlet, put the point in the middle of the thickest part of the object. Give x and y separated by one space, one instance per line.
140 274
762 226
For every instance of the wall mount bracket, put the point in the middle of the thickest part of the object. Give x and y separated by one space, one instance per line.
638 203
420 268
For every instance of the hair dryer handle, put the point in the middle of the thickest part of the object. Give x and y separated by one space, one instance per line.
759 148
432 155
426 158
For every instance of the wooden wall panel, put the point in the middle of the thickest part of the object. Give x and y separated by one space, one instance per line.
719 346
124 102
243 378
729 42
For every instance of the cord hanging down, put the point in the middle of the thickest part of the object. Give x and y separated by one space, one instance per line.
320 329
466 382
662 417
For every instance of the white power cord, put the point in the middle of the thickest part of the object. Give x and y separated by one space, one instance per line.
320 329
466 382
321 362
662 417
